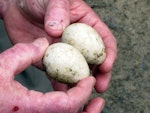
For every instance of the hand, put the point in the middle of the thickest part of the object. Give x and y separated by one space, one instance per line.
16 98
28 19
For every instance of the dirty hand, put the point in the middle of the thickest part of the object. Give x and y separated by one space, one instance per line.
26 20
16 98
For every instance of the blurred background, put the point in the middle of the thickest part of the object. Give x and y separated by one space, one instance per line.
129 20
129 90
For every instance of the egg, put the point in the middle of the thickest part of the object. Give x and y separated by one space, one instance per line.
65 63
87 41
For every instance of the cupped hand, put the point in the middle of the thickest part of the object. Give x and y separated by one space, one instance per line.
16 98
26 20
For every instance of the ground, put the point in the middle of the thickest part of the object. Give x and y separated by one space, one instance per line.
129 20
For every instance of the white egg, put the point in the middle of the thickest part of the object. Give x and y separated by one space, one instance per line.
87 41
65 63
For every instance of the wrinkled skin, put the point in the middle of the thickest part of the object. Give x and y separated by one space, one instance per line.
16 98
27 20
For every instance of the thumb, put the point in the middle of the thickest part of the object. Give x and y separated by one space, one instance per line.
57 17
22 55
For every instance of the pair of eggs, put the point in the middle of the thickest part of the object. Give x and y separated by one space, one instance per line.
67 61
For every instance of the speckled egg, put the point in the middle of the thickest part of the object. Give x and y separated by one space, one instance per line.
87 41
65 63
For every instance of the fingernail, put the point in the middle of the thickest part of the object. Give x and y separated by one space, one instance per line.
20 3
101 104
55 25
40 42
93 80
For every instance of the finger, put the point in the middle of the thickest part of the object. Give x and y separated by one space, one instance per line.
59 86
95 105
83 13
111 48
111 57
102 82
22 55
109 41
57 17
80 94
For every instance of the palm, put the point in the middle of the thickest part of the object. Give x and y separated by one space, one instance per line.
33 101
27 29
21 29
17 98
